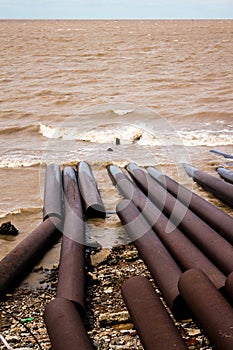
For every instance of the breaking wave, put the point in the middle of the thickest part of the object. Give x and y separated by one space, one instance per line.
140 134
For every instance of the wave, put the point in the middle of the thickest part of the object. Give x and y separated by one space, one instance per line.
205 137
140 134
17 211
14 129
12 162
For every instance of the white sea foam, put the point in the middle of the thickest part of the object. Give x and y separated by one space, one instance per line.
12 162
20 210
127 133
122 111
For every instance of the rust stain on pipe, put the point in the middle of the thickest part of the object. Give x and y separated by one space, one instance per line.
211 214
153 323
219 188
93 204
65 327
209 307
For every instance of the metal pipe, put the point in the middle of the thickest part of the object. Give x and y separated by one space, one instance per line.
225 174
93 204
180 247
154 326
225 155
219 188
209 307
161 265
53 206
215 217
65 327
218 250
21 259
71 276
229 286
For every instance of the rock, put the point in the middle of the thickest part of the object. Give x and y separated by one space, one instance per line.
110 149
114 318
100 257
130 255
8 229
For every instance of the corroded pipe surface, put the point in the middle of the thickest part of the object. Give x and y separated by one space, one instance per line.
65 327
225 174
93 204
153 323
215 217
219 188
161 265
21 259
218 250
181 248
209 307
53 206
229 286
71 276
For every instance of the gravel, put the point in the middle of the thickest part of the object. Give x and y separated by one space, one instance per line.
108 323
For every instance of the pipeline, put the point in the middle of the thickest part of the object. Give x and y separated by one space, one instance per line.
225 155
225 174
218 250
218 187
161 265
93 204
65 327
212 215
53 206
21 259
180 247
229 286
154 326
209 307
71 276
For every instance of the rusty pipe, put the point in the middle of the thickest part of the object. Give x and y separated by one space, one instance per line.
225 155
180 247
215 217
71 275
218 250
218 187
21 259
229 286
225 174
209 307
65 327
154 326
93 204
161 265
53 206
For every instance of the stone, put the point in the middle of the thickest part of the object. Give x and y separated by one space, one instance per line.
114 318
100 257
8 229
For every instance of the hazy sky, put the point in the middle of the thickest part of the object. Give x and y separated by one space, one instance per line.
115 9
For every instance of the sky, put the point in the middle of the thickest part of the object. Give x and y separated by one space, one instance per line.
116 9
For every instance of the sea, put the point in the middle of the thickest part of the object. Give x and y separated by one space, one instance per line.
153 92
